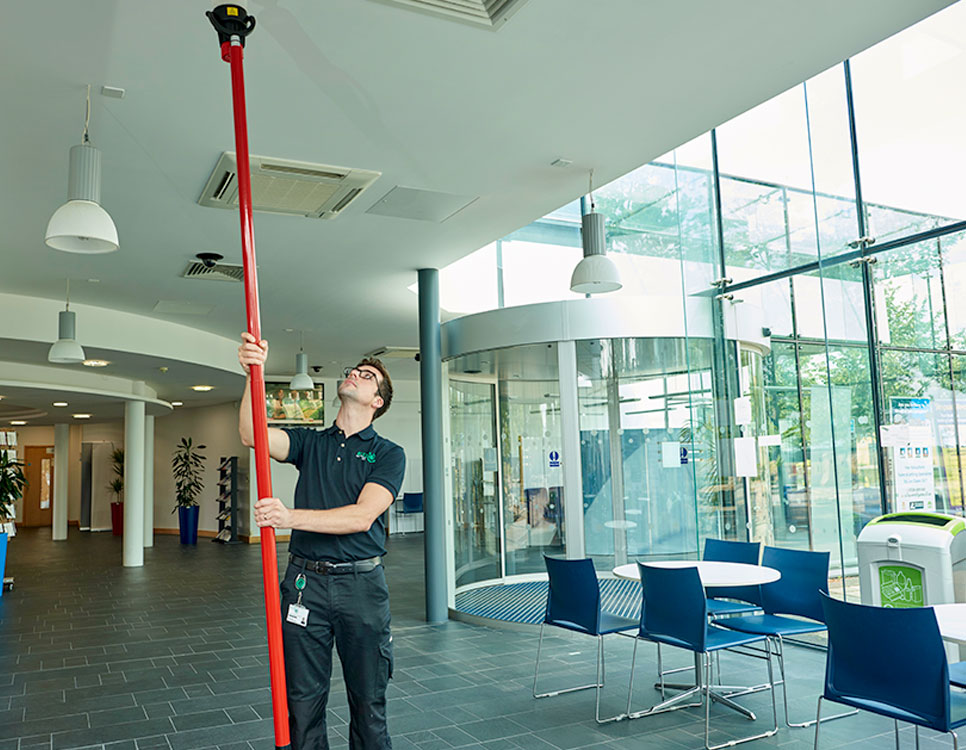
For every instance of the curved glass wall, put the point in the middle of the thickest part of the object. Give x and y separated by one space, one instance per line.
650 481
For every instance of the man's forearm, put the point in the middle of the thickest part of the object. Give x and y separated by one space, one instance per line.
348 519
245 429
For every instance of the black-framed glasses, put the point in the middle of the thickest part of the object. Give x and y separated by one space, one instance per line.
364 374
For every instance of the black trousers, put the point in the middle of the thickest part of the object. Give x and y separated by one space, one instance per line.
351 611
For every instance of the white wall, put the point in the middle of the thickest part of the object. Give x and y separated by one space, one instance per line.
216 427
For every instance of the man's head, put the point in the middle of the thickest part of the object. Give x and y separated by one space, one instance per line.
368 383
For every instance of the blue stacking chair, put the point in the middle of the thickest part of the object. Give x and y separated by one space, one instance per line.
804 577
676 614
573 603
412 502
957 674
890 662
721 598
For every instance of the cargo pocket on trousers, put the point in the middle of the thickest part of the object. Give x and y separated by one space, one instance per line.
385 657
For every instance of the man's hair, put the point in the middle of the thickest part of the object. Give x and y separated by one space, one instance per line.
384 385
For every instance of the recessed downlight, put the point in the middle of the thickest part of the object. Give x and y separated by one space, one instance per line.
17 422
96 363
83 416
60 403
202 387
177 403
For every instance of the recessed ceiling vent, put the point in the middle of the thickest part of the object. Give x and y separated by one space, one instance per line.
490 14
394 352
217 272
281 186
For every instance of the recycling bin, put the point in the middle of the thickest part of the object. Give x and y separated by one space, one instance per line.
913 559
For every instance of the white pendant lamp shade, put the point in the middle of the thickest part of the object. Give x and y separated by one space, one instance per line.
81 225
596 272
66 350
302 381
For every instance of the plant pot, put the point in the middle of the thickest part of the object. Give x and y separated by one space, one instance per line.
188 523
117 519
3 559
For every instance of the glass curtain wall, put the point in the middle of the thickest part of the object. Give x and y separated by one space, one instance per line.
836 207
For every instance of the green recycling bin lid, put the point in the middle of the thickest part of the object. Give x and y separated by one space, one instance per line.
952 524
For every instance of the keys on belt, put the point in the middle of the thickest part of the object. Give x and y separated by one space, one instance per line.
330 568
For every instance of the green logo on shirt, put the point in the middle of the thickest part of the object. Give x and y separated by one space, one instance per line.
370 457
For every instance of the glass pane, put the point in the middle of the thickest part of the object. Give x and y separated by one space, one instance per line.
475 482
912 163
530 443
909 297
953 249
46 470
787 191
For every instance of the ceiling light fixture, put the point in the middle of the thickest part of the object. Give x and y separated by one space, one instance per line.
302 380
596 272
82 416
66 350
202 387
61 403
177 403
81 225
95 363
17 422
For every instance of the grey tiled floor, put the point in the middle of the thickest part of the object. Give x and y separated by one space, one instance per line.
173 656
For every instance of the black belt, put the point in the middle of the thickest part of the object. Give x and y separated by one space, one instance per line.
327 568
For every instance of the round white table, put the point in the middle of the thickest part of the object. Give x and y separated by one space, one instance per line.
712 573
952 621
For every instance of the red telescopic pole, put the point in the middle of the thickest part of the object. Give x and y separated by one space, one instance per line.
233 25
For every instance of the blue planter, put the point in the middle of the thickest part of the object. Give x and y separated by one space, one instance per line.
3 559
188 523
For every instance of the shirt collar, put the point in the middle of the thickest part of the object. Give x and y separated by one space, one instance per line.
367 434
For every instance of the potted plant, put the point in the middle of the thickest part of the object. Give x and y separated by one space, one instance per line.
116 485
187 466
12 482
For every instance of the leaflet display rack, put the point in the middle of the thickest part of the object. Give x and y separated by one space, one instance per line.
227 501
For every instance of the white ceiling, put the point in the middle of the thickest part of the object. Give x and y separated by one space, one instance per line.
430 103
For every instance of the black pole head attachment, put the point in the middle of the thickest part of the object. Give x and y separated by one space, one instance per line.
231 20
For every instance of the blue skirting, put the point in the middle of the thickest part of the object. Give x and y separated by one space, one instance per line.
527 602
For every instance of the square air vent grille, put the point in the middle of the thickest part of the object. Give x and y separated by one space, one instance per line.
490 14
281 186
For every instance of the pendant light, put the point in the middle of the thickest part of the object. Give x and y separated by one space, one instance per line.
302 380
66 350
596 272
81 225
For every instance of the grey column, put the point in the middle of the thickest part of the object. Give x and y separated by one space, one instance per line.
431 397
133 484
58 528
148 481
573 478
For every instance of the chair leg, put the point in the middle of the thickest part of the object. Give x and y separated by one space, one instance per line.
780 653
707 709
553 693
896 722
630 684
917 737
955 741
818 720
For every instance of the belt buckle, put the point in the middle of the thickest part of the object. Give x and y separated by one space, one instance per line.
322 567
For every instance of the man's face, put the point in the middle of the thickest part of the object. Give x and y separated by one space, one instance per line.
361 385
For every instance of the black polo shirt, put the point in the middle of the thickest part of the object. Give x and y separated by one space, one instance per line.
333 469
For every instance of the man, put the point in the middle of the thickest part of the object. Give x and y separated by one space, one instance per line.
334 589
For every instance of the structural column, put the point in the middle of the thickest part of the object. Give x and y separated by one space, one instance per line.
149 480
431 398
133 484
573 491
61 467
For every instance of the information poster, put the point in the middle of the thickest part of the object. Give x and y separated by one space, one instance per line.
911 439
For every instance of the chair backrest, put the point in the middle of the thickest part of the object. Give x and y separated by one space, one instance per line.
675 605
573 597
890 656
412 502
804 575
721 550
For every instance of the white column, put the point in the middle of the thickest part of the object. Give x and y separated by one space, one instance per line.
58 527
133 484
570 450
149 480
